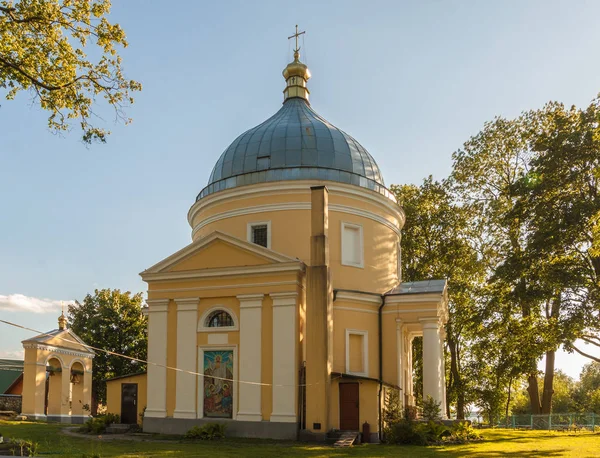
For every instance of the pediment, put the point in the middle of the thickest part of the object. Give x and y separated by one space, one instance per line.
218 250
65 339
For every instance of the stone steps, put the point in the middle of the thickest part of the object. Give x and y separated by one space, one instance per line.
347 439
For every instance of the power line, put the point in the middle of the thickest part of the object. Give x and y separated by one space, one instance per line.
156 364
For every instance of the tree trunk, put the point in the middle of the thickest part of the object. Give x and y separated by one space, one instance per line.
94 406
508 402
458 389
548 383
534 394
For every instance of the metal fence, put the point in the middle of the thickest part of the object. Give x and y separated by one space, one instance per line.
555 421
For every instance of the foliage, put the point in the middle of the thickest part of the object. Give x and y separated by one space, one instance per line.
98 425
19 447
207 432
113 321
463 431
440 241
405 432
431 409
47 48
392 409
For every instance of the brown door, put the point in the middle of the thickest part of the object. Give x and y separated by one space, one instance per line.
349 406
129 393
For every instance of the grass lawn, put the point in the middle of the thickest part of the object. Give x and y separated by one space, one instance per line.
498 443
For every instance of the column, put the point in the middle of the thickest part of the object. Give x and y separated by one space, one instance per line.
185 383
442 371
34 387
432 360
65 395
285 367
87 387
156 405
400 358
249 399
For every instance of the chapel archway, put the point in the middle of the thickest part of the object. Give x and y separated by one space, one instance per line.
77 399
54 369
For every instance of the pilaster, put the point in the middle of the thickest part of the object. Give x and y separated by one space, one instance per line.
157 358
185 384
250 358
285 366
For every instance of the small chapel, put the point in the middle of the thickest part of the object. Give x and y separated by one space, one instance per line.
286 316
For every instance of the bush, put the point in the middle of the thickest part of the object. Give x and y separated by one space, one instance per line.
405 432
19 447
431 409
207 432
98 425
463 432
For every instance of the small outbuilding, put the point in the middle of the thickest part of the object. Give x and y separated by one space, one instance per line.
126 397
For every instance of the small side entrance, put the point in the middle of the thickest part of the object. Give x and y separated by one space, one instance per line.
349 407
129 392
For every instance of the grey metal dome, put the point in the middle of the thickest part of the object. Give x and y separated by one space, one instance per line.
295 144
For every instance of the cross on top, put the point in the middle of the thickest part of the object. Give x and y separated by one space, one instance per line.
296 35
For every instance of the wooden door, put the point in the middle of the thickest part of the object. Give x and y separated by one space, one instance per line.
129 392
349 407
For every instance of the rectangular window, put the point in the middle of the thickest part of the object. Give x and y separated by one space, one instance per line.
357 345
260 233
352 245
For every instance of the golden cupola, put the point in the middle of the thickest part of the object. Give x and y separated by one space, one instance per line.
296 75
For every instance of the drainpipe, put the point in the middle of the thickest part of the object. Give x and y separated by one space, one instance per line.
380 314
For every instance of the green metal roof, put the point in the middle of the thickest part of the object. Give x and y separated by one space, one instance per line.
10 370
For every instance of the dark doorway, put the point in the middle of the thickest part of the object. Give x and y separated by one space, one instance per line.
349 406
129 392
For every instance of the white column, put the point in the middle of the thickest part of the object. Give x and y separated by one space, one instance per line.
285 367
185 385
156 405
400 357
249 403
442 371
432 360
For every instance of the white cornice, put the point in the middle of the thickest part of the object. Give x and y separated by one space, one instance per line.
60 350
357 297
296 266
297 187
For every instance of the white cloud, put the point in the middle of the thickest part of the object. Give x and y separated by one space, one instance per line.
11 354
22 303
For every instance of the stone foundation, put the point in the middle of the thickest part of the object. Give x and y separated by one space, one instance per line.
10 402
234 428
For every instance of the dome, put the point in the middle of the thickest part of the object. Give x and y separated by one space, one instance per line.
295 144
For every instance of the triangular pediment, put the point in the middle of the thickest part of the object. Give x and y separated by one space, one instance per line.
218 250
61 338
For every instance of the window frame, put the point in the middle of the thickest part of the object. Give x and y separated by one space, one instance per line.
202 322
252 224
361 248
365 335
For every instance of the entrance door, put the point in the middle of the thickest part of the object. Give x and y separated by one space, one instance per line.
349 407
129 393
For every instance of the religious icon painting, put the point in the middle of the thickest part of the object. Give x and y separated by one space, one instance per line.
218 385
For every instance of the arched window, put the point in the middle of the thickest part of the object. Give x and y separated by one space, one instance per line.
219 319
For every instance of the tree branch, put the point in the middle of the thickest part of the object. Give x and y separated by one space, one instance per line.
9 12
585 354
35 81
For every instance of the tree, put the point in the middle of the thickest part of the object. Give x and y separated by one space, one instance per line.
112 321
439 241
44 49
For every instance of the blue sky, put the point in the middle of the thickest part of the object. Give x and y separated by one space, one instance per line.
410 80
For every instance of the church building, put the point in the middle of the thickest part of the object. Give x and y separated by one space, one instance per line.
286 316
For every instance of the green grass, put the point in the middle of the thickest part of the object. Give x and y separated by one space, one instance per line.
498 443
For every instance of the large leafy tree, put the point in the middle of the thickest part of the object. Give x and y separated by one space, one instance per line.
64 53
440 241
112 321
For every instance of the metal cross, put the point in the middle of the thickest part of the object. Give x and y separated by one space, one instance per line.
297 34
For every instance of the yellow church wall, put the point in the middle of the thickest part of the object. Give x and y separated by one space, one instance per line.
114 390
345 319
290 235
